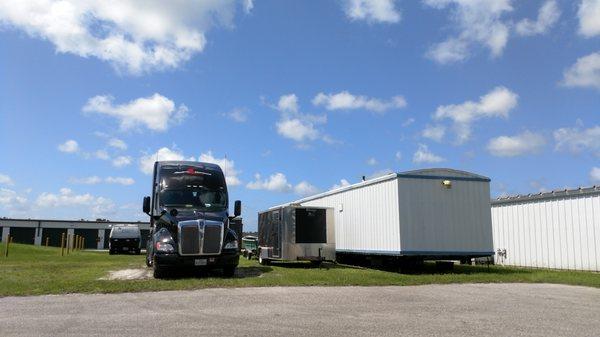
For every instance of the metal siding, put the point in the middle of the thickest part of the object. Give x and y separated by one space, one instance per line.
560 233
369 220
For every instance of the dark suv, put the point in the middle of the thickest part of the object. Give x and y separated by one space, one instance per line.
125 239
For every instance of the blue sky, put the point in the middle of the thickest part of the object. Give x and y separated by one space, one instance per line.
291 97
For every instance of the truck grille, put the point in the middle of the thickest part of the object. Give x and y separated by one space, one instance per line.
198 237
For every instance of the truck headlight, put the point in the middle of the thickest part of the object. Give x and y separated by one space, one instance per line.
165 247
231 245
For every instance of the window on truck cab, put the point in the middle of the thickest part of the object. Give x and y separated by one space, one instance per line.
191 187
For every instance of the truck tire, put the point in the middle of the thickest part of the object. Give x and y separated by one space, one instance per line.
158 272
229 271
249 256
111 252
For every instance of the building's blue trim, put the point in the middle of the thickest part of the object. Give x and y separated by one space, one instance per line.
414 252
418 176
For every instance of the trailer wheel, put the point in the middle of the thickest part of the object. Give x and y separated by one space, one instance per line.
229 271
249 256
263 261
158 272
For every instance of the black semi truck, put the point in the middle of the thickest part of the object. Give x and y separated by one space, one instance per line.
189 219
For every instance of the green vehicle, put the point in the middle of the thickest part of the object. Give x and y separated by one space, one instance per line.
249 246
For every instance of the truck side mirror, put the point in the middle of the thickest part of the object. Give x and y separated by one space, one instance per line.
237 208
146 205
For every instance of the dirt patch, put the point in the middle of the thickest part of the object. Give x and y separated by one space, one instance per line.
129 274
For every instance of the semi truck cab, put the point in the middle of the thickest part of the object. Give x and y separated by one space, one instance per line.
189 219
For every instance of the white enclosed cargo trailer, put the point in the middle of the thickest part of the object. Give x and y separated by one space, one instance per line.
424 214
558 229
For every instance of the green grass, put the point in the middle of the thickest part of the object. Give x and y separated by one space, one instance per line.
33 270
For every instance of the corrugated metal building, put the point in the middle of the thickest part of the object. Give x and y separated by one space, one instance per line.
431 212
33 231
559 229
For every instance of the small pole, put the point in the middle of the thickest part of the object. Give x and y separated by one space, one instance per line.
8 239
68 243
47 240
82 243
62 244
80 247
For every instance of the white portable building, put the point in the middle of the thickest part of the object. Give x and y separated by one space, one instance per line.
559 229
429 213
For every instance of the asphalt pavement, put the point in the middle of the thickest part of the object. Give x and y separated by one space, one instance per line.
432 310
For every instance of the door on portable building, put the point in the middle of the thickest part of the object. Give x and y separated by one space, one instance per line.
106 238
89 235
53 235
22 235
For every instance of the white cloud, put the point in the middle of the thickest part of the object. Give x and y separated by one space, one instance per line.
372 11
548 15
347 101
577 140
67 198
595 175
125 181
117 144
122 161
238 115
70 146
133 36
227 165
398 155
423 155
584 73
305 189
589 18
521 144
288 104
92 180
343 183
297 130
372 161
163 154
248 6
276 183
5 180
434 132
12 201
155 112
408 122
496 103
477 22
102 155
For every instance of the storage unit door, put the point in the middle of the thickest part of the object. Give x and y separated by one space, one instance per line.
106 237
90 236
22 235
53 235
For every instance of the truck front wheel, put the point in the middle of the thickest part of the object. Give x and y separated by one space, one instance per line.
158 272
229 271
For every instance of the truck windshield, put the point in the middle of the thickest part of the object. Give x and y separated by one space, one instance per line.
192 187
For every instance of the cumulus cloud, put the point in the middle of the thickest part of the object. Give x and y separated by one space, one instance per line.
5 180
548 15
584 73
434 132
227 165
102 155
238 115
521 144
276 183
496 103
342 183
305 189
398 155
133 36
12 201
122 161
576 140
117 144
589 18
373 11
297 126
424 156
125 181
347 101
477 22
248 6
155 112
93 180
372 161
595 175
67 198
70 146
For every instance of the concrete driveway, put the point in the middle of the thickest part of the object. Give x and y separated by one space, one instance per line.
434 310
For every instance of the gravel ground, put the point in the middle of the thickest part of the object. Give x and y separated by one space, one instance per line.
432 310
